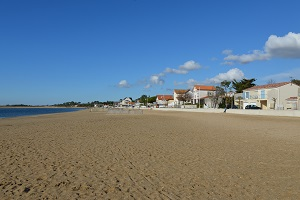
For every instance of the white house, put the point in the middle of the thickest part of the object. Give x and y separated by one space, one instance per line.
163 100
177 93
126 102
280 96
203 94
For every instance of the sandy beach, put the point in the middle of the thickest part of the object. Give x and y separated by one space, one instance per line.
156 155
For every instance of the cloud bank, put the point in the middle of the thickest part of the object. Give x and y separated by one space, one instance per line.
230 75
185 68
280 77
284 47
158 79
287 46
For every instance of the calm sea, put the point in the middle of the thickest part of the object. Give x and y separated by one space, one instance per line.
17 112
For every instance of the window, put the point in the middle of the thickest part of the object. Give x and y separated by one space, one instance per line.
262 94
246 95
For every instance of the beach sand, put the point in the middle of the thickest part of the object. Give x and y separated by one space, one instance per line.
157 155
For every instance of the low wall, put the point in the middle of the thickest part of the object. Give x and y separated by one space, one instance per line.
287 113
124 111
189 106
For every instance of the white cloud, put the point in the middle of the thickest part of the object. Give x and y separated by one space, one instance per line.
190 65
191 83
287 46
246 58
281 77
123 84
185 68
227 52
147 86
284 76
229 76
157 79
176 71
229 63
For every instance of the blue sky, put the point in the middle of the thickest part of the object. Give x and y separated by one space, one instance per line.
58 51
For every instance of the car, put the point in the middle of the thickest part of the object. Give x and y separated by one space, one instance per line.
252 107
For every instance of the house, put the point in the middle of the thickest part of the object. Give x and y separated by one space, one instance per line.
178 94
138 104
126 102
163 100
202 94
279 96
292 103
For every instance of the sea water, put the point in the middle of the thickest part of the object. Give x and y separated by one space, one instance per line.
17 112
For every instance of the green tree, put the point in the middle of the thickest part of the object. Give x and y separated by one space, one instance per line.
226 87
143 99
243 84
296 81
151 99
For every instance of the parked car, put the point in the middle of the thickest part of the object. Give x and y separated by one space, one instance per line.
252 107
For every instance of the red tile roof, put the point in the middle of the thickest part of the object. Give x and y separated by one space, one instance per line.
268 86
205 87
180 91
164 97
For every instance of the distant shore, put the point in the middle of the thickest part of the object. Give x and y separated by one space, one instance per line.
155 155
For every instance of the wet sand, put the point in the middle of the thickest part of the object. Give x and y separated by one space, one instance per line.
157 155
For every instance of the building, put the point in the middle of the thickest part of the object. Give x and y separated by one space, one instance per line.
203 94
178 93
279 96
163 100
126 102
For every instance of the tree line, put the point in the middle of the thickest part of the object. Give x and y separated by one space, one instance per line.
80 104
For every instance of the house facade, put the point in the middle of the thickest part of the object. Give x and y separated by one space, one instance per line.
126 102
177 93
202 94
278 96
163 100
